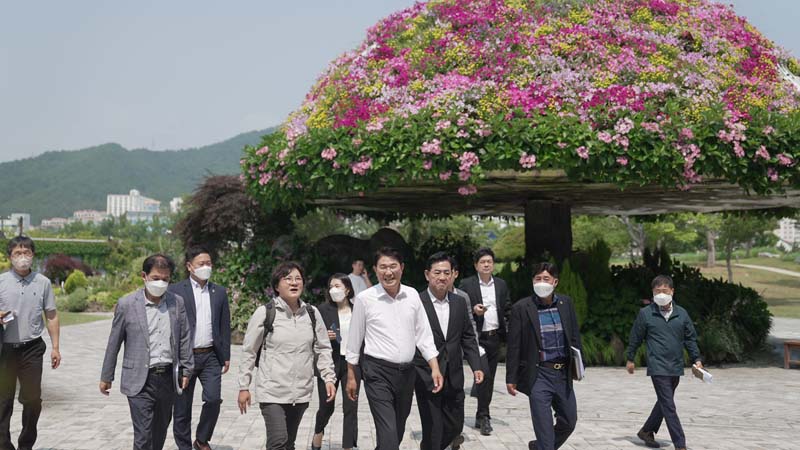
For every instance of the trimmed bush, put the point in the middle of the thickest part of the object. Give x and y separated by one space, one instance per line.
75 280
77 301
570 283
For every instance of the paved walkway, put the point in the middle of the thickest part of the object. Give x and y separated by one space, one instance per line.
790 273
752 408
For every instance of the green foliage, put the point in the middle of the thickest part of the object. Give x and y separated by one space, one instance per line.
75 280
569 283
43 190
5 264
586 230
511 245
720 342
77 301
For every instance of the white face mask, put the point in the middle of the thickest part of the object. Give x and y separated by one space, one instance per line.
156 288
203 272
543 290
22 263
337 294
662 299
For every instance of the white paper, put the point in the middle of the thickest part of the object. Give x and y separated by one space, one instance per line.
707 377
577 359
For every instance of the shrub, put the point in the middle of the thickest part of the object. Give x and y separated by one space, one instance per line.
569 283
720 342
75 280
58 267
77 301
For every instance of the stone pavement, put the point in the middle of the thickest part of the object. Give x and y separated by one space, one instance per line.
752 408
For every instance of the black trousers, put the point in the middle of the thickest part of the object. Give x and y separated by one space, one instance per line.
490 343
442 414
23 363
349 407
389 388
665 410
551 393
282 421
209 371
151 410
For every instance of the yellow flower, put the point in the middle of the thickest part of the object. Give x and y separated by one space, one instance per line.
516 4
642 15
580 16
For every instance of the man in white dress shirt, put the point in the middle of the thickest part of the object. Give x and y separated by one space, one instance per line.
390 321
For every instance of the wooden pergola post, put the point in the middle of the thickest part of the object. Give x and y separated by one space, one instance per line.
548 230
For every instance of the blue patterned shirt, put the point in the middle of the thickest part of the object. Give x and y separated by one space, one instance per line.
552 332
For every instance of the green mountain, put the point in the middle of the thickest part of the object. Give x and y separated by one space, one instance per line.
55 184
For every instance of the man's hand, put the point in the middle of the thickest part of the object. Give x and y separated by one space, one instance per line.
55 358
105 386
244 401
438 380
226 368
478 376
512 389
698 364
330 388
331 335
630 366
479 309
184 382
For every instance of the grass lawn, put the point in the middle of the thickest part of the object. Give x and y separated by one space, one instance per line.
66 318
781 292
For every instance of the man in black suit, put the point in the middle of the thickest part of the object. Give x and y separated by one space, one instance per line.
210 323
541 330
442 414
489 298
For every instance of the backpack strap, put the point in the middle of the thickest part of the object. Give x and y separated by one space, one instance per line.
313 316
269 320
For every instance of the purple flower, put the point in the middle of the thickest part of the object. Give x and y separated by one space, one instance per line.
582 152
772 174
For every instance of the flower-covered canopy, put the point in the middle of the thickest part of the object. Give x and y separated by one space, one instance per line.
632 92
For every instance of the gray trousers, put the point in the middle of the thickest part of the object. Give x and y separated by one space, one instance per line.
282 421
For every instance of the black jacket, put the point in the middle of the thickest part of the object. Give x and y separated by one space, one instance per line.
220 315
330 315
459 342
471 286
524 340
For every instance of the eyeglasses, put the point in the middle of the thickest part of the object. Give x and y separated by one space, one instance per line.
292 279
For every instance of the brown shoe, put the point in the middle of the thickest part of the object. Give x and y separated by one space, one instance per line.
200 445
649 438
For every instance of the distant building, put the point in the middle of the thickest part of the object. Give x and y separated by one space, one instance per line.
788 234
134 206
89 216
11 223
56 223
175 205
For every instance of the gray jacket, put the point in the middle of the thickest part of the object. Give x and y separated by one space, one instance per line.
130 326
285 373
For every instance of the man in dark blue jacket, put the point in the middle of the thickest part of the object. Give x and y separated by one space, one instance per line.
667 329
210 322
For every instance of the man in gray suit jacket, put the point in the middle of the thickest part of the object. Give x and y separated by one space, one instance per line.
158 352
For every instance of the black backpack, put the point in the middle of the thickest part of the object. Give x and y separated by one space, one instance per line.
269 319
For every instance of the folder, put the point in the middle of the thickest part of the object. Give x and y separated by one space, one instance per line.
702 374
578 369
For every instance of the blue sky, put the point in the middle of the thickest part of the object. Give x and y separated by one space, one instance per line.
180 73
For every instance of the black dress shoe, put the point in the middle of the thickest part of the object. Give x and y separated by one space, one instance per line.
649 438
456 444
531 445
197 445
486 427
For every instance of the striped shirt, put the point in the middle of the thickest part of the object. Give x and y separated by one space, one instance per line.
552 333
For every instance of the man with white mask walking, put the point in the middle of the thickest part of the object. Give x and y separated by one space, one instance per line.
667 329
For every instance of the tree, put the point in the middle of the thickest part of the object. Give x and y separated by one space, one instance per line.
511 245
740 229
637 234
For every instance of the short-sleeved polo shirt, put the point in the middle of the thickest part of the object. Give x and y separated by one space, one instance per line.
28 297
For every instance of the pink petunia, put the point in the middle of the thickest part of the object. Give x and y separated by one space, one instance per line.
622 161
768 130
527 161
582 152
444 176
442 125
361 167
328 153
772 174
784 159
432 147
623 126
605 136
427 165
762 153
687 133
467 190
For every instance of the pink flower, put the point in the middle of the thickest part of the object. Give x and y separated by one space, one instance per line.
427 165
737 149
467 190
432 147
772 174
621 140
444 176
263 150
377 124
483 132
527 161
461 121
468 160
336 165
582 152
561 145
768 130
784 159
302 162
442 125
265 177
622 161
328 153
687 133
462 134
762 153
283 153
623 126
361 167
464 175
651 126
604 136
357 142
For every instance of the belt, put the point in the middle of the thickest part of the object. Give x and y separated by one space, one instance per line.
393 365
204 350
552 365
161 369
489 333
18 345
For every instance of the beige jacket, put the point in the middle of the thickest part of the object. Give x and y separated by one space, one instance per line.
285 373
